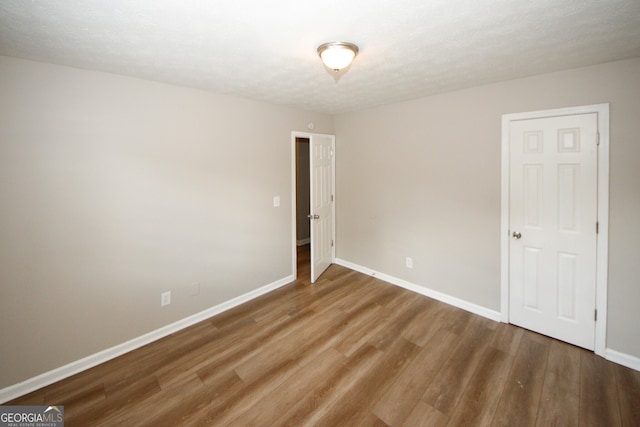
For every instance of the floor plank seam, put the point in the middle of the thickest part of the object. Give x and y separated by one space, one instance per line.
350 350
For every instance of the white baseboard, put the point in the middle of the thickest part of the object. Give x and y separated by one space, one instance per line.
47 378
303 241
447 299
35 383
623 359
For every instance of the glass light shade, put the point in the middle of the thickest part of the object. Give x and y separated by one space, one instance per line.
337 55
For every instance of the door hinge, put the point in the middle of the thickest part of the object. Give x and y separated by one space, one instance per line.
597 227
597 138
332 197
332 243
595 315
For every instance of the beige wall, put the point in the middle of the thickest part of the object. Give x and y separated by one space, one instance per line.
422 179
113 190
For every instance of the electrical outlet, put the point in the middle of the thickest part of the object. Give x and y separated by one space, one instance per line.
165 298
276 201
409 262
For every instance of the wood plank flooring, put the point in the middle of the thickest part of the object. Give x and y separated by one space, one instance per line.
350 350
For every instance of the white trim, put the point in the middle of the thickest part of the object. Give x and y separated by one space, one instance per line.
623 359
447 299
294 207
335 196
602 110
303 241
602 254
504 224
47 378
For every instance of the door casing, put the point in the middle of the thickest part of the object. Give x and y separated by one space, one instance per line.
602 245
294 136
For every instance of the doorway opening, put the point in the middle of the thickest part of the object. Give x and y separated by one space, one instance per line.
313 182
557 282
303 209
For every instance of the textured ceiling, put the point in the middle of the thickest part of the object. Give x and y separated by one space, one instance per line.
266 50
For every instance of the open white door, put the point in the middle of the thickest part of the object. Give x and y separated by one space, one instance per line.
553 225
322 202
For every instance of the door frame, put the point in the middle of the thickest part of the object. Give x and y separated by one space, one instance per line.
602 239
294 198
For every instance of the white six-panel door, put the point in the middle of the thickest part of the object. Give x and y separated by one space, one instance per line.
321 195
552 226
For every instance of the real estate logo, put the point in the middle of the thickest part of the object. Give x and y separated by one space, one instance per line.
31 416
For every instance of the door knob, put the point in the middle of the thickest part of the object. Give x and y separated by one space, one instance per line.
516 235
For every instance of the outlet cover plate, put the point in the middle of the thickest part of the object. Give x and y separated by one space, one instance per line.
165 298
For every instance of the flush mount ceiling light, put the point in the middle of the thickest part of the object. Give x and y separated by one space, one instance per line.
337 55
